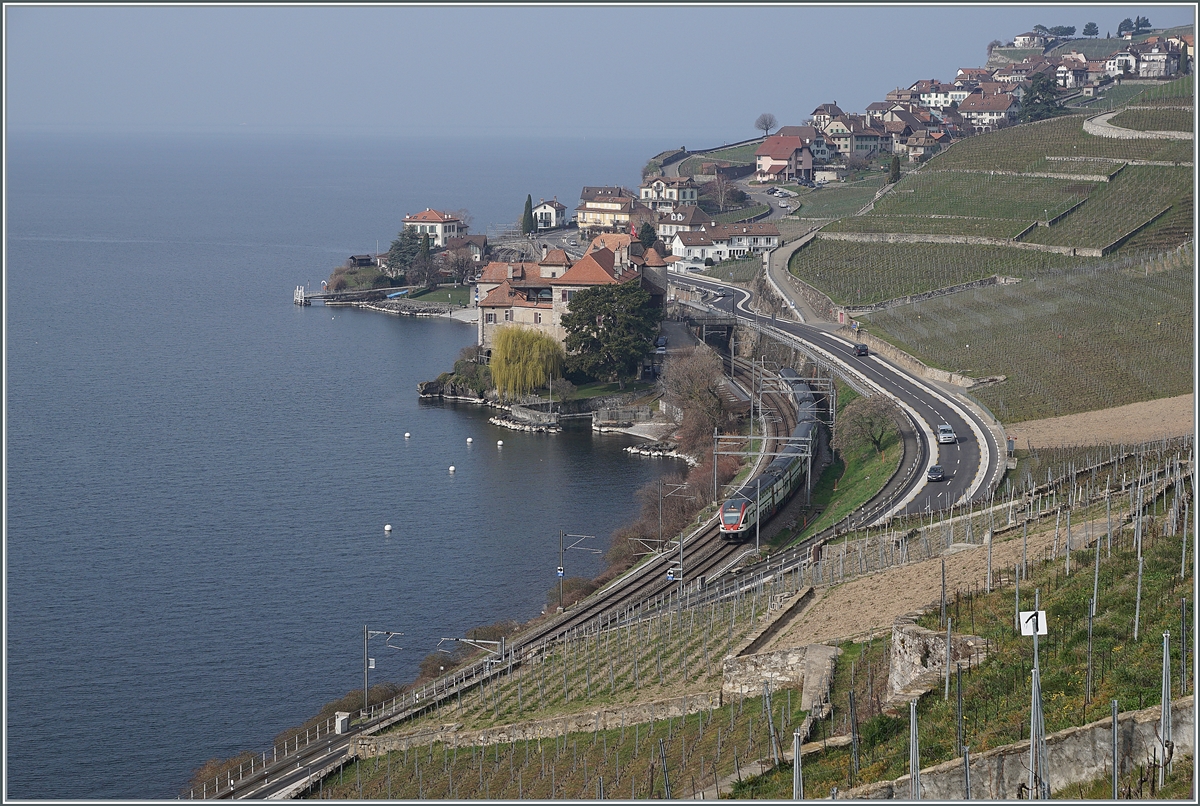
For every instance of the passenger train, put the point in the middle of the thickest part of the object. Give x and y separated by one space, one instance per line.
780 480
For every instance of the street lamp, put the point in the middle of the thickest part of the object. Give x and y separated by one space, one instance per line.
368 662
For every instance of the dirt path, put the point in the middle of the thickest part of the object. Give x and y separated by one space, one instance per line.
872 603
1137 422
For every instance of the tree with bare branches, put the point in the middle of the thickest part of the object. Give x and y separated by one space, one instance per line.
692 383
866 421
766 121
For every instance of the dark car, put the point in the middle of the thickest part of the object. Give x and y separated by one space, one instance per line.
661 341
861 349
936 473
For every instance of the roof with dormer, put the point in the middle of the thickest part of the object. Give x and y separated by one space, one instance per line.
430 216
595 268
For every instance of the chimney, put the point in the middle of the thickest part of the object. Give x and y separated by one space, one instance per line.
510 271
545 249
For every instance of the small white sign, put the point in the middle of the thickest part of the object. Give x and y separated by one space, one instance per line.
370 663
1031 620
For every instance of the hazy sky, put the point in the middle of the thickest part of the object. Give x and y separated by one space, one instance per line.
691 72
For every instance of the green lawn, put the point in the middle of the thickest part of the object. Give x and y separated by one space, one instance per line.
733 216
737 271
601 389
837 199
1068 341
460 295
737 155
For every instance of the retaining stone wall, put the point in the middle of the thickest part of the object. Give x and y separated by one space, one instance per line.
602 719
1076 755
917 657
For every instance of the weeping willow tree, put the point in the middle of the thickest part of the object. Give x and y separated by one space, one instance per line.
523 359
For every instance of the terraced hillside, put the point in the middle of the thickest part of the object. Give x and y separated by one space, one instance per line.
1097 231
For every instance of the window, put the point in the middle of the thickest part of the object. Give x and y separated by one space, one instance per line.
537 317
490 318
508 315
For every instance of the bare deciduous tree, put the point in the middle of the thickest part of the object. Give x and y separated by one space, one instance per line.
766 121
866 421
692 383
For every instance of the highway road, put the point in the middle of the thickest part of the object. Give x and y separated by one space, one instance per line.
969 464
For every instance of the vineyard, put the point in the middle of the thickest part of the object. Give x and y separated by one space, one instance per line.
984 195
1081 672
1154 120
1114 208
1068 341
1020 148
865 273
922 225
675 653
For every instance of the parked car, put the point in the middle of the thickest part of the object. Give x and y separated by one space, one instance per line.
861 349
946 434
661 341
936 473
785 206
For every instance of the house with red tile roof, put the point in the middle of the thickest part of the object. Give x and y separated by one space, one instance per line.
537 295
985 113
724 241
783 158
437 225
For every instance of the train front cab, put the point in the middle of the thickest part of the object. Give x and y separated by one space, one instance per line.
733 518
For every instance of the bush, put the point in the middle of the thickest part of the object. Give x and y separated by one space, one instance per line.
879 728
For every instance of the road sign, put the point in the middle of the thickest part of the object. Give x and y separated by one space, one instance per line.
370 663
560 571
1031 620
670 575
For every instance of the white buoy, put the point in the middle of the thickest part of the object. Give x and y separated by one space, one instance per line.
499 443
407 435
387 527
469 440
451 468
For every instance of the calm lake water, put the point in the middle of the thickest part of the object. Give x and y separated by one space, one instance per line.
199 472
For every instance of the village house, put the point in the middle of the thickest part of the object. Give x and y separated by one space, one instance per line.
723 241
1121 62
1157 61
825 113
783 158
474 246
605 209
665 193
811 137
1029 39
986 113
683 219
550 214
536 295
437 225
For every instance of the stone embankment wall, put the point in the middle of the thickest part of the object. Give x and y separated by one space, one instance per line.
917 657
1076 755
600 719
976 240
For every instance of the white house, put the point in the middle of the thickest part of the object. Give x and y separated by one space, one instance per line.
665 193
550 214
438 226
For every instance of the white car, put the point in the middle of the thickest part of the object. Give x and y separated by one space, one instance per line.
946 434
785 206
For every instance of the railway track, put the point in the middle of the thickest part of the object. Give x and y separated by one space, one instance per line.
638 592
